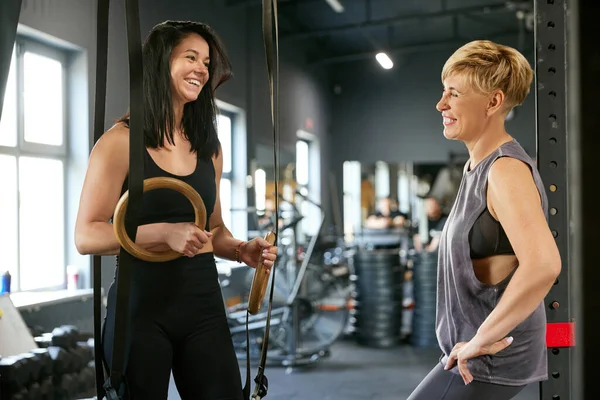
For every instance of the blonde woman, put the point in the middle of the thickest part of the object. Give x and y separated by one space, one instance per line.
497 256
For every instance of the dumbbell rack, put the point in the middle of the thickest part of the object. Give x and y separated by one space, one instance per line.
56 365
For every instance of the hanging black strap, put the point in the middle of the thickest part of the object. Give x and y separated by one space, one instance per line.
271 42
99 113
136 179
9 19
111 387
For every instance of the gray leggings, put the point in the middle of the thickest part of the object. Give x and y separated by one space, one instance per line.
440 384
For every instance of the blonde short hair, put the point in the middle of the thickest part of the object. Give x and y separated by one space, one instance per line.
489 66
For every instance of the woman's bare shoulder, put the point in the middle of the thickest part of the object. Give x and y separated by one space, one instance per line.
113 147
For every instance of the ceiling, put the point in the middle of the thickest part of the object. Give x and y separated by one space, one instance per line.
365 27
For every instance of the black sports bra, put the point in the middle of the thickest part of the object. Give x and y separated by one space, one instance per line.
166 205
487 237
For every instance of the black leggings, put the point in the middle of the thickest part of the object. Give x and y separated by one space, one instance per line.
440 384
177 323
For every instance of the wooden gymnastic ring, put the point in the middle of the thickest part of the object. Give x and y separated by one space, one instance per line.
259 282
151 184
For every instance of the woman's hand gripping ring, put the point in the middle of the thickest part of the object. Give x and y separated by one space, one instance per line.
152 184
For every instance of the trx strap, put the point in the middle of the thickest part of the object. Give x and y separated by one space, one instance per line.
99 111
9 19
111 388
271 42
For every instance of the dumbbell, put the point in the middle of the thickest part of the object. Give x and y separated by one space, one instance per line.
14 372
33 366
45 362
61 360
47 389
44 340
87 378
86 351
65 386
65 336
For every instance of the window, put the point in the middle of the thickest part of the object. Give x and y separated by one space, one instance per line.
33 156
382 180
260 188
308 180
302 162
352 200
302 189
224 126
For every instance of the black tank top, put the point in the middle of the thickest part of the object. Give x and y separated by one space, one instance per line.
166 205
487 237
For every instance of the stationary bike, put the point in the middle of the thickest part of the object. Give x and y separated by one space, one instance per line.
310 302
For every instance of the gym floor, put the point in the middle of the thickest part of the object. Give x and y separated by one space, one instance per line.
355 372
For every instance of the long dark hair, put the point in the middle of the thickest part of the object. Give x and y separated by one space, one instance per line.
199 116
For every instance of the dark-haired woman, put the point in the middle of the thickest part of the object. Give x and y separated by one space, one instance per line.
177 321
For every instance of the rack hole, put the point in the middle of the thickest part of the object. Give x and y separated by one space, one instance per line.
555 351
553 140
555 233
552 93
551 47
556 375
555 397
553 164
552 70
551 24
550 2
556 282
553 211
553 188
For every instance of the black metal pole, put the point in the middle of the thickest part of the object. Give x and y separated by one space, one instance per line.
551 132
584 175
10 10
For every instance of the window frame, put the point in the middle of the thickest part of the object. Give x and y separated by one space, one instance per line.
24 148
28 45
239 168
227 175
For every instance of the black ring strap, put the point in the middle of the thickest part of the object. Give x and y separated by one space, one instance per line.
111 388
271 42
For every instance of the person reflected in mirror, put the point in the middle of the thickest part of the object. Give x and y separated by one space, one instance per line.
436 219
387 215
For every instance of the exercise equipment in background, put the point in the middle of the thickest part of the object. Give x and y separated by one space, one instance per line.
38 365
379 294
425 295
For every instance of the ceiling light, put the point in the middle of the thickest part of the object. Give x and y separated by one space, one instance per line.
384 60
336 5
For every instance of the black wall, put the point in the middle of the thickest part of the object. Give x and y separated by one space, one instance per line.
390 115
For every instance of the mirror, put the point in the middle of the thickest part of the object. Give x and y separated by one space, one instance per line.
390 195
263 170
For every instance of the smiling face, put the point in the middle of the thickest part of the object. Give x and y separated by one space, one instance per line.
189 68
482 82
464 111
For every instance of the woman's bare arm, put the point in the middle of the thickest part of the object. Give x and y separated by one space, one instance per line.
107 169
515 200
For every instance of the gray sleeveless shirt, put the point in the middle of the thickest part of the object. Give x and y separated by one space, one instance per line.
464 302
